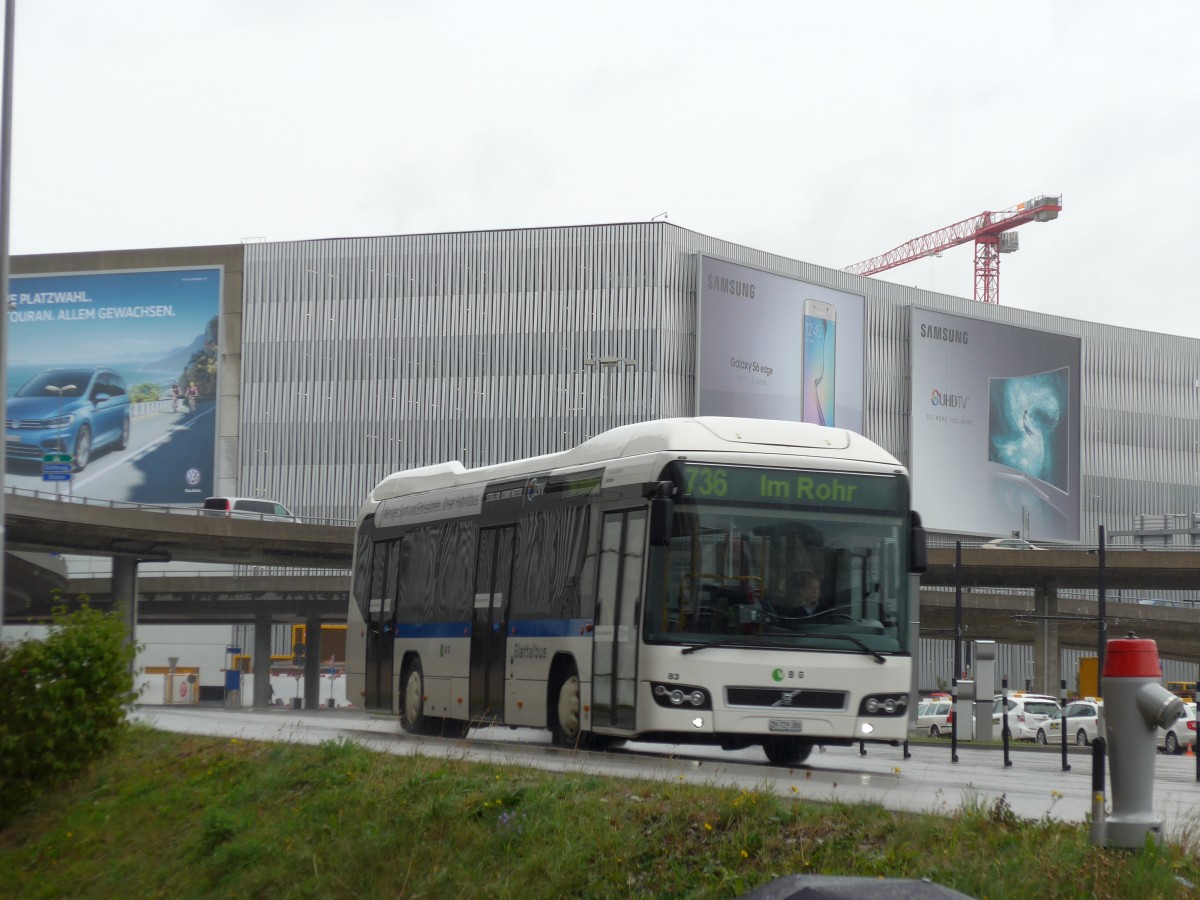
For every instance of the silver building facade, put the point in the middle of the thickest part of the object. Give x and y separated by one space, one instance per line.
359 357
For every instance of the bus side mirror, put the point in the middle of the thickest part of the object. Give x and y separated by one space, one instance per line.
662 514
918 548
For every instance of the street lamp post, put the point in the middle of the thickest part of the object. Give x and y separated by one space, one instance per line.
6 95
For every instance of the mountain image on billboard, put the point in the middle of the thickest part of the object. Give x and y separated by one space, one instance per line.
1028 425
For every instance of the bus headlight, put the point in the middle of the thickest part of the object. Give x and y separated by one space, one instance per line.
884 705
680 696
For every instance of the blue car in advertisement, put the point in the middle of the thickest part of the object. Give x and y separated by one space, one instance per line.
68 410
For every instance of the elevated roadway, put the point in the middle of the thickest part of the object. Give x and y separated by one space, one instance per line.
131 534
204 598
1014 596
1011 596
166 534
1149 570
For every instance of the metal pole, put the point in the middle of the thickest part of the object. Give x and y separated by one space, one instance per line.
957 650
10 14
1102 631
1004 719
1062 688
1099 824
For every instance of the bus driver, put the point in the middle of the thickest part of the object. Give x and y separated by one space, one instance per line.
799 596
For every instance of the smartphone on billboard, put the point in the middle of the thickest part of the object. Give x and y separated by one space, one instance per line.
820 346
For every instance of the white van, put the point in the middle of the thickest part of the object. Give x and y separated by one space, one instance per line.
247 508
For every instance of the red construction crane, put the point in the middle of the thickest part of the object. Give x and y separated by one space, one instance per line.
989 230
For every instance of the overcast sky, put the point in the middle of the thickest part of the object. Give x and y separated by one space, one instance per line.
827 132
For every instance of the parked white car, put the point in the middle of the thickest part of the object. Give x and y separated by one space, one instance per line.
1181 734
935 717
1026 712
1081 719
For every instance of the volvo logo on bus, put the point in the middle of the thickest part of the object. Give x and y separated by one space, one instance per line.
786 698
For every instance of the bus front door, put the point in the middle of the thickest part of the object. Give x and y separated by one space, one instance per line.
381 628
493 587
618 605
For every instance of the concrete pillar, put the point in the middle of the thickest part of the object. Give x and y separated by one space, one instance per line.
124 592
262 660
312 663
1046 670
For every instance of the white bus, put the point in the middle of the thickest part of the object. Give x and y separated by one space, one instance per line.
708 580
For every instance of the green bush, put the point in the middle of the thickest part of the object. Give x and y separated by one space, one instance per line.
62 702
145 392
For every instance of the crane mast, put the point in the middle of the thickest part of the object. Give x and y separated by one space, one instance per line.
989 230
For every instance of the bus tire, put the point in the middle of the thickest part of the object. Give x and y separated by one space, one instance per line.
786 751
412 701
565 711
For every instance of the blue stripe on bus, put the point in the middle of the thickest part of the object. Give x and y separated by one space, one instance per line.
550 628
433 630
521 628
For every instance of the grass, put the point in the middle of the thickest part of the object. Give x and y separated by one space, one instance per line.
167 815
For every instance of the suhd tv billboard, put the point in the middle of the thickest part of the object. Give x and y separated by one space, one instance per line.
772 347
111 383
995 427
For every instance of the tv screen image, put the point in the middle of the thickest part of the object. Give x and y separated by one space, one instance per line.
1028 425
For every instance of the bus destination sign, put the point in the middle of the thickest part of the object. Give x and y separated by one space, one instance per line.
794 487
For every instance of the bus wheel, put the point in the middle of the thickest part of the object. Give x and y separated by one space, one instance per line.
564 708
786 751
412 711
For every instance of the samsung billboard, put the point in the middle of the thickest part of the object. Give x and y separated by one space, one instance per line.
995 427
111 381
772 347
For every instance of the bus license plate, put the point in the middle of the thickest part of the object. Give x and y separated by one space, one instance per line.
785 725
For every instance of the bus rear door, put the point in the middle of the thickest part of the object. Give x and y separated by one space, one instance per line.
381 627
493 588
618 605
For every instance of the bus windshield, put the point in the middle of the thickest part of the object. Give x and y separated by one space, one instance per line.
782 558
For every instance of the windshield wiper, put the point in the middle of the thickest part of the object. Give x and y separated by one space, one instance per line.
738 642
776 645
875 654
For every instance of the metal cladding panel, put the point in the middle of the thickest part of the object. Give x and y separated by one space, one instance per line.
364 356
